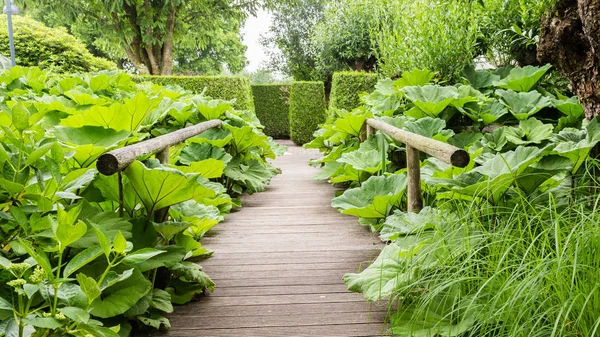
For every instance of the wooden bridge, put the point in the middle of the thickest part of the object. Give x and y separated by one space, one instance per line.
279 262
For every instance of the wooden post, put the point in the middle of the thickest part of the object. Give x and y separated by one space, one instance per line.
114 161
370 130
161 214
413 165
443 151
163 156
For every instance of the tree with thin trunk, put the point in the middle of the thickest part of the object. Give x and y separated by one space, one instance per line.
570 40
148 31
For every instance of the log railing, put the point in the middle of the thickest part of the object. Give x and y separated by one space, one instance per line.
116 160
414 145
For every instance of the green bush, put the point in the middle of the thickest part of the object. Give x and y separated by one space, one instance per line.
346 88
437 35
272 104
221 87
48 48
307 110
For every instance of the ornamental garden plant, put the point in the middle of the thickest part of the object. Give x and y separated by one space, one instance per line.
506 246
90 255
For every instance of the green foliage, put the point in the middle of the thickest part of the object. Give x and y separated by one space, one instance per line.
342 38
487 256
435 35
48 48
199 35
510 29
291 31
307 110
346 88
85 254
272 104
221 87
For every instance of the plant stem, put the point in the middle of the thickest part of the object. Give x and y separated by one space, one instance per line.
57 285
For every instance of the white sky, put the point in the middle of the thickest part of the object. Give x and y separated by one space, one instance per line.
253 28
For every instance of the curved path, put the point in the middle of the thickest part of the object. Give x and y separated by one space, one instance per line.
279 262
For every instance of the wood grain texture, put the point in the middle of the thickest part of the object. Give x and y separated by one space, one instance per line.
445 152
117 160
279 262
413 165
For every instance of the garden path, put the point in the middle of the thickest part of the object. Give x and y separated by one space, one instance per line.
279 262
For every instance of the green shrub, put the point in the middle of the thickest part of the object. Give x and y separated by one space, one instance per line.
48 48
307 110
437 35
272 104
346 88
221 87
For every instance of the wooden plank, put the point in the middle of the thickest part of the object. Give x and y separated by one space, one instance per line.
351 266
313 280
202 310
297 320
328 330
279 264
279 290
218 274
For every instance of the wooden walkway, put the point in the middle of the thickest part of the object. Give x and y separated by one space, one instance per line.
279 262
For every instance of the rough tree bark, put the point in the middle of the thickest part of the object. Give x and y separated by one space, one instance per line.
570 41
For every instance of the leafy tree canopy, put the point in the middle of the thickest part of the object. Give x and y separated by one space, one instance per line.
152 34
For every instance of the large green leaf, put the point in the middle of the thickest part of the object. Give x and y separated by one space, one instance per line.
374 198
389 271
404 223
252 174
191 272
201 217
196 152
479 79
511 162
522 79
430 128
350 123
523 104
246 138
96 135
431 322
414 77
212 109
487 113
530 131
577 144
431 99
118 298
159 188
131 115
218 137
82 259
363 160
208 168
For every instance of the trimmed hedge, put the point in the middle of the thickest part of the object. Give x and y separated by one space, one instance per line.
307 110
347 86
37 45
220 87
272 104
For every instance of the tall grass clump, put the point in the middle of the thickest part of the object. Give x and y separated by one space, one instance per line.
525 269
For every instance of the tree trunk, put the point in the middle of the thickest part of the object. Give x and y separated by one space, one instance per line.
569 40
155 59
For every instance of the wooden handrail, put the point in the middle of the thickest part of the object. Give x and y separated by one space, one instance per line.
116 160
414 143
